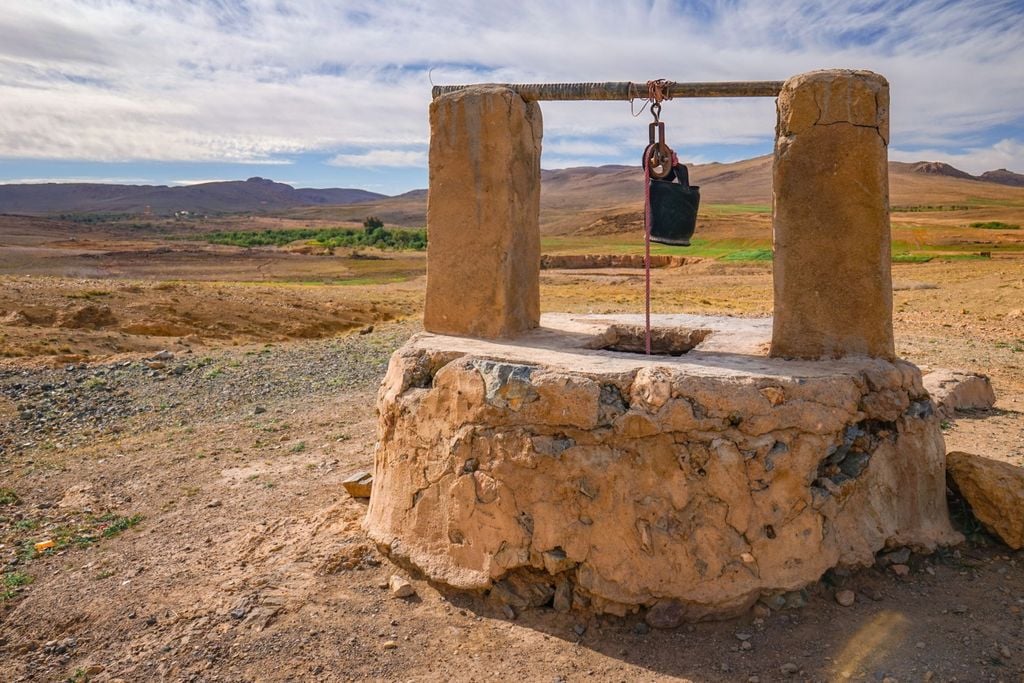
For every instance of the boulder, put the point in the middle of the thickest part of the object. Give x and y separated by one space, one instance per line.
953 390
995 491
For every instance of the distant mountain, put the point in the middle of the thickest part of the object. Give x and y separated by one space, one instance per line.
254 194
1003 177
566 194
1000 176
940 168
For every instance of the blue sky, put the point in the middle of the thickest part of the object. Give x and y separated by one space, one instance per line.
335 94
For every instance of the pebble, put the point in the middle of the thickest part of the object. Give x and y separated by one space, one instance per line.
400 588
846 598
789 669
641 629
579 629
743 636
390 645
900 569
960 609
746 646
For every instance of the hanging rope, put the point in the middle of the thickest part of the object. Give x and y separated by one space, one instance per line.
657 91
647 255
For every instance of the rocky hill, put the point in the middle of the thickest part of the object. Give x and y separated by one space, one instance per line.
254 194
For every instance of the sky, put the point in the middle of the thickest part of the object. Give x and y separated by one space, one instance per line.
335 94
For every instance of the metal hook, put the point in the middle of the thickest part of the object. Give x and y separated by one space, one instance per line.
656 110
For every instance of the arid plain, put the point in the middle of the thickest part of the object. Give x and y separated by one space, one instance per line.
195 496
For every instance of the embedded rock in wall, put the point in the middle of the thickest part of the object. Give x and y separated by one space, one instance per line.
606 482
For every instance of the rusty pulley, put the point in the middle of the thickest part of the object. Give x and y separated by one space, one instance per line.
658 155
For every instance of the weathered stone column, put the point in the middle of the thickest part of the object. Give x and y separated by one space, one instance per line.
483 254
833 281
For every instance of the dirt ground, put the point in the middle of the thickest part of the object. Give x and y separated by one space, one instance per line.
202 534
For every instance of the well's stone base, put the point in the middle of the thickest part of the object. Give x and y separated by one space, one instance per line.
550 473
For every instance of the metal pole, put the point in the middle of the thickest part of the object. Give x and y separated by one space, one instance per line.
627 90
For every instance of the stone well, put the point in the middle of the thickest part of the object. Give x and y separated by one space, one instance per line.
551 471
545 460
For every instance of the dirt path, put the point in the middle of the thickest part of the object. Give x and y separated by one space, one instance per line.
248 562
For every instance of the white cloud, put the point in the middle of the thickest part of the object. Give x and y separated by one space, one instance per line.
381 158
199 181
255 82
102 181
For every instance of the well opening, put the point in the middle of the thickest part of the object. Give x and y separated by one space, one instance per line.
665 341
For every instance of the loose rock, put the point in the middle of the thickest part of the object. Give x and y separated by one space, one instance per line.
846 598
359 485
400 588
953 390
995 491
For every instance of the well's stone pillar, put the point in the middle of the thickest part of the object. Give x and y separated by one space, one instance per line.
833 282
483 255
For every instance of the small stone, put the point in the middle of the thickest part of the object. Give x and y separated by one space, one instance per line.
846 598
753 679
508 611
796 599
746 646
960 609
94 670
390 645
901 556
259 410
900 569
359 485
579 629
665 614
928 676
921 646
400 588
789 669
163 354
742 636
214 503
761 611
1004 652
641 629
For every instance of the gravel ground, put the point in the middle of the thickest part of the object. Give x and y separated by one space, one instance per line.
65 407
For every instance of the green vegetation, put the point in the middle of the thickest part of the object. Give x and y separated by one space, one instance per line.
8 497
119 524
930 207
995 225
12 583
911 258
727 209
373 235
749 255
